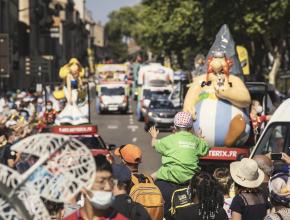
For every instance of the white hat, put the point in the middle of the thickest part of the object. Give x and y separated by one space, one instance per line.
39 100
279 188
246 173
10 123
26 99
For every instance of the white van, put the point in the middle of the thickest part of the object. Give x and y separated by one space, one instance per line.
276 136
113 97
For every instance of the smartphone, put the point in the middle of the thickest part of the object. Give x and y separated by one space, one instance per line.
276 156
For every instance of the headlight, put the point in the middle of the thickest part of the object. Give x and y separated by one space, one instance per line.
150 114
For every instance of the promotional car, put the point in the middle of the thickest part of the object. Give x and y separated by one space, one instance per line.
148 93
265 94
113 98
160 114
88 135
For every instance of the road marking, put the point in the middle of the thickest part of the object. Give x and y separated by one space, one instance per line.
134 139
113 127
133 128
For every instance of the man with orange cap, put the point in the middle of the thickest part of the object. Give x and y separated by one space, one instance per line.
131 156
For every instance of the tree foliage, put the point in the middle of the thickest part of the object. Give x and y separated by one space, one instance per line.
180 28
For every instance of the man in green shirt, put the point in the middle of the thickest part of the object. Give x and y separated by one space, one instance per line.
180 155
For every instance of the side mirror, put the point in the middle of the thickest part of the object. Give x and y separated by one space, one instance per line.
112 147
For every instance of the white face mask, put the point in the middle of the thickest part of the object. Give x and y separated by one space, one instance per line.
101 199
259 109
49 107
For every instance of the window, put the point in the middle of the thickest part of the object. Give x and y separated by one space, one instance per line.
112 91
274 140
92 142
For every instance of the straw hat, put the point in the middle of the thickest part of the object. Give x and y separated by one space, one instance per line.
247 173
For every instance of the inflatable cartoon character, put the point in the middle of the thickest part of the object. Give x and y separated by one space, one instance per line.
72 74
216 100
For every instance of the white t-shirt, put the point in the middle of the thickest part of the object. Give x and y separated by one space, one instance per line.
227 205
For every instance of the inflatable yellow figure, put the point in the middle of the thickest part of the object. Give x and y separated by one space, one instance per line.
217 101
72 74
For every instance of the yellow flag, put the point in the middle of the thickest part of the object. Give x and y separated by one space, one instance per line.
167 62
244 59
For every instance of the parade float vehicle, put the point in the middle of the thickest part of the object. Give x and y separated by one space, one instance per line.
88 135
222 156
113 73
153 80
75 117
219 101
113 97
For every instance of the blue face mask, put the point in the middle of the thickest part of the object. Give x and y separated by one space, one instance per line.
101 199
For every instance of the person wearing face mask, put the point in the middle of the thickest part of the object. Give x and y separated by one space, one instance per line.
96 203
49 115
257 119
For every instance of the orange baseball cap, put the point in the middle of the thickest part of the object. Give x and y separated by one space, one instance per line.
130 153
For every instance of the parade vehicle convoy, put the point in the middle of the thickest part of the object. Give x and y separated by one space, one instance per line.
113 97
88 135
161 114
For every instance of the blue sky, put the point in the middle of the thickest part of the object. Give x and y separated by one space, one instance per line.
101 8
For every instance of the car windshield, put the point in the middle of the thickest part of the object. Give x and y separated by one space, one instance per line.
92 142
112 91
161 105
274 140
148 94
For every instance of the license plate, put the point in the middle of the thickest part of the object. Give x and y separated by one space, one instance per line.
113 108
166 120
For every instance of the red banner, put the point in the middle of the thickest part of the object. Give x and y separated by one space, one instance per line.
223 153
75 129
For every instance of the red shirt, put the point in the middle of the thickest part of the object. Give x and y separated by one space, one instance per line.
114 216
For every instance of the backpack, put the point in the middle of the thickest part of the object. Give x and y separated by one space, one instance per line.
145 192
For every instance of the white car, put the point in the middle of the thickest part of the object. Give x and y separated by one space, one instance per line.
112 98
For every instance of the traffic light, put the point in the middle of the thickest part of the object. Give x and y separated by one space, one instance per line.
4 56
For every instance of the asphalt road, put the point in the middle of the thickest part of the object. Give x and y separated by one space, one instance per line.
122 129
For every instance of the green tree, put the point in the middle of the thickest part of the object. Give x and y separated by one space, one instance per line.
119 30
181 28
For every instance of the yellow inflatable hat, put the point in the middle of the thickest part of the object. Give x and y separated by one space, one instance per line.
58 94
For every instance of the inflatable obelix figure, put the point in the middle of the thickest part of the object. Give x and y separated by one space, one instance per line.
72 74
216 100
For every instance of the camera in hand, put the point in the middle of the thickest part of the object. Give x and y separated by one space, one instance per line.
276 156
